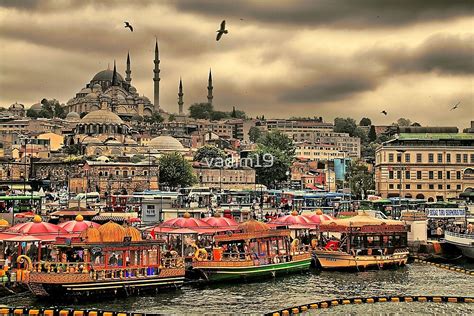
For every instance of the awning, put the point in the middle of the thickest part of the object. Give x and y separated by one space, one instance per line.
19 186
100 218
467 194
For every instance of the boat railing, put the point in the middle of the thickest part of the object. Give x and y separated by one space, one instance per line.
459 235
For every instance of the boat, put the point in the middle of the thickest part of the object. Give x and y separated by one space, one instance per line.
111 260
252 251
465 242
364 242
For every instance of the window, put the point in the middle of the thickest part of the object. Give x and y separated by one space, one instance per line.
472 158
117 172
100 173
407 174
418 158
106 173
407 157
458 175
464 158
125 173
418 186
448 175
398 186
150 210
407 186
440 187
145 173
390 186
430 158
399 174
431 175
399 157
133 172
440 174
458 187
458 158
390 174
390 157
448 157
448 186
418 175
431 186
440 158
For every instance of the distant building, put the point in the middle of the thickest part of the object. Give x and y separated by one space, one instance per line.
226 178
317 151
340 141
291 127
431 166
17 109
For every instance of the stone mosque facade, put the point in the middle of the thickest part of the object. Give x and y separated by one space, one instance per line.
120 96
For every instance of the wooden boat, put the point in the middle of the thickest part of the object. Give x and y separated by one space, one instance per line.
365 242
111 260
252 251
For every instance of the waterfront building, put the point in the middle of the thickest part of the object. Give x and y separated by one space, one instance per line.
242 178
317 151
341 141
430 166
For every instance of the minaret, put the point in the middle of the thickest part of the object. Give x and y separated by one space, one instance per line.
209 88
128 72
156 79
180 97
114 91
114 75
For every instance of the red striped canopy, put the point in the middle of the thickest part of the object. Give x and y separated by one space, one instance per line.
185 222
78 225
37 227
318 217
293 219
218 221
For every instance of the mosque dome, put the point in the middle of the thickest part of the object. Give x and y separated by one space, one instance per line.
16 106
73 116
36 107
97 87
102 117
252 226
166 143
130 141
113 142
91 95
106 75
132 90
91 140
86 90
112 232
91 234
133 233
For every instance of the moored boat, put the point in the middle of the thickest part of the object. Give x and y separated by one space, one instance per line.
465 242
364 242
109 261
252 251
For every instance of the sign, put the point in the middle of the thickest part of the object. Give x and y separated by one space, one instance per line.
445 212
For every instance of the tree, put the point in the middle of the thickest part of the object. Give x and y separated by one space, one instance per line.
416 124
171 118
74 149
271 165
175 171
31 113
254 134
201 110
345 125
278 140
218 115
361 133
372 135
137 118
209 154
365 122
58 110
360 179
155 118
233 114
403 122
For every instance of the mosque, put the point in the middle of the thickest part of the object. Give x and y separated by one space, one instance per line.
121 97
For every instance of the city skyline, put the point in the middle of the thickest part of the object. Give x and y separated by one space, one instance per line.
309 58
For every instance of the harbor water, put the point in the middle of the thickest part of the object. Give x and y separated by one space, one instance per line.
274 294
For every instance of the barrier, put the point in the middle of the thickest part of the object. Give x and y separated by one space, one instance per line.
445 266
370 300
56 311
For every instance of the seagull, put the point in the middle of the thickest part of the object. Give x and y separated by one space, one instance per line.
221 31
129 26
384 112
455 106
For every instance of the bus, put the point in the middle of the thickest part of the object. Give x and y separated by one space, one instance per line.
13 204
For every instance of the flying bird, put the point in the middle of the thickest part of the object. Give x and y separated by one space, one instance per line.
129 26
221 31
384 112
455 106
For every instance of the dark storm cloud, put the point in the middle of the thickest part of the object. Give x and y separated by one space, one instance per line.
442 53
331 87
337 13
63 5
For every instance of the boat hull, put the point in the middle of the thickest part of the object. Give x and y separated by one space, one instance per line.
464 242
342 260
219 273
59 286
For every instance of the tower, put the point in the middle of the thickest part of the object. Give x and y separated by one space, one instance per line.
114 75
128 72
156 79
209 88
113 104
180 98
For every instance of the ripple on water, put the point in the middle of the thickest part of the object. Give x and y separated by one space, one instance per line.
299 289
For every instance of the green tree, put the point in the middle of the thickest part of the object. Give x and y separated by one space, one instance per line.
58 109
201 110
345 125
171 118
218 115
271 166
254 134
416 124
278 140
365 122
360 179
403 122
209 154
372 135
74 149
137 118
175 171
155 118
233 114
31 113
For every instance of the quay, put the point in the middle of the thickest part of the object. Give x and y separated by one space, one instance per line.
23 311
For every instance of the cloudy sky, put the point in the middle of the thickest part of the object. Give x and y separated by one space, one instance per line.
281 58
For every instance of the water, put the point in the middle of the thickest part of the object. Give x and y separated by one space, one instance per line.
284 292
